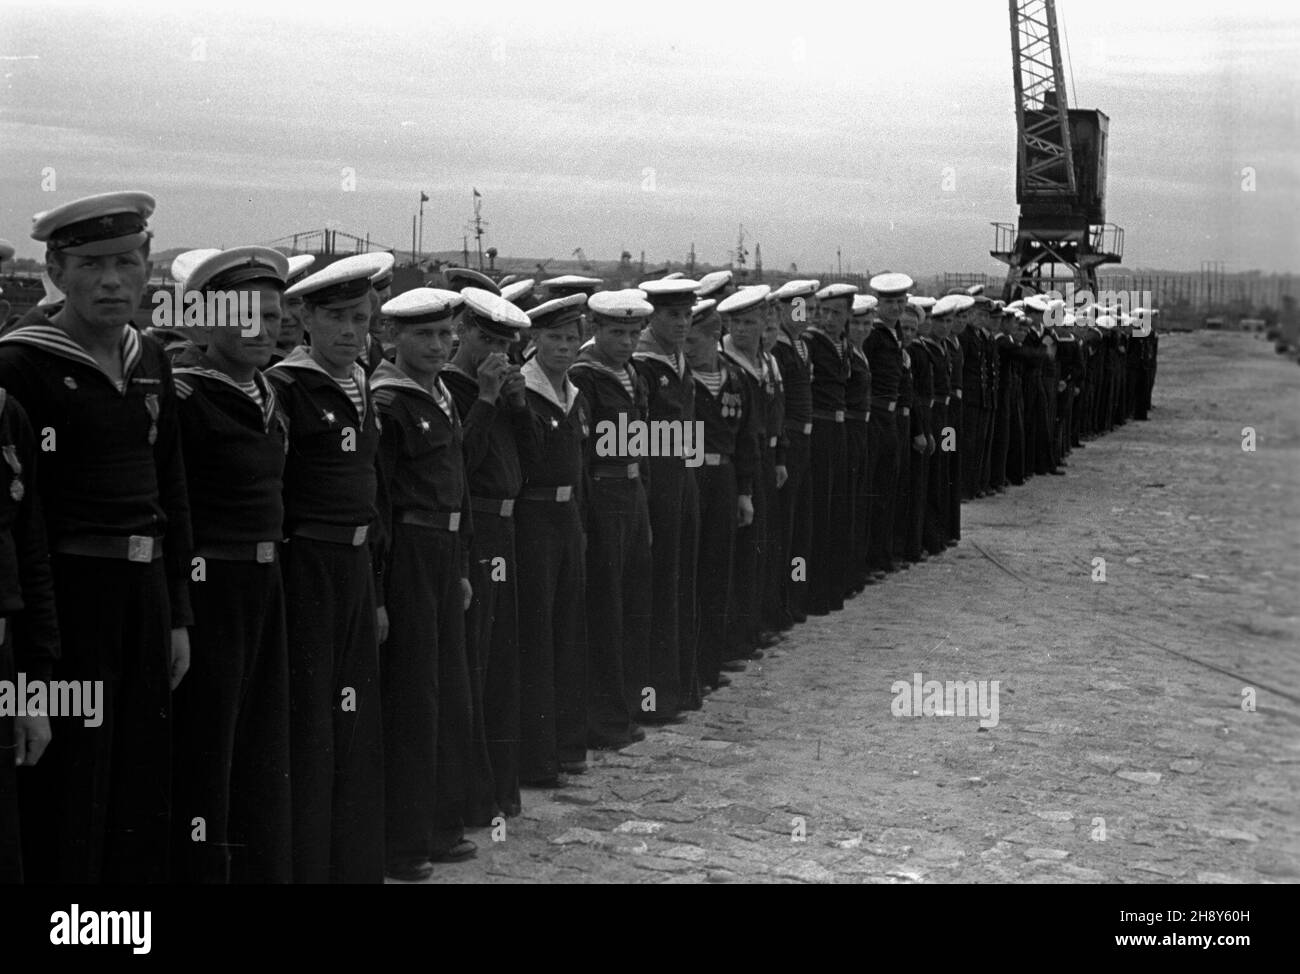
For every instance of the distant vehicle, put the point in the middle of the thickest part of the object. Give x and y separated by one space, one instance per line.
1214 324
1251 324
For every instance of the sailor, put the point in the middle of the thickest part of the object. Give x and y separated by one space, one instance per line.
291 331
885 355
1035 355
792 301
335 615
232 713
381 288
618 518
29 632
916 441
552 559
459 278
734 390
674 507
973 405
112 486
824 341
857 417
424 517
957 323
497 430
938 535
774 469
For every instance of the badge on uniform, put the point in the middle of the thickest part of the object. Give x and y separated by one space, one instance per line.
328 417
16 490
70 382
151 404
424 424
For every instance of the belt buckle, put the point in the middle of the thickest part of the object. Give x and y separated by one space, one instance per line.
713 459
807 429
893 404
139 548
867 417
771 442
359 535
633 471
508 507
453 521
265 552
839 415
564 493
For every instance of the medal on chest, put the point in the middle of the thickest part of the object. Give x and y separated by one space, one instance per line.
151 404
16 489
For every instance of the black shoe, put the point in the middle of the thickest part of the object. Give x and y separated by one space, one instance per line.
733 666
409 870
1057 472
462 850
722 681
574 767
552 783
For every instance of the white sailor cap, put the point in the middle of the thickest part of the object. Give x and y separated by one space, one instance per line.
107 223
517 289
964 302
891 283
832 292
508 279
6 249
382 278
557 311
712 283
183 264
679 291
422 305
493 313
570 284
744 300
922 301
627 303
673 276
1035 302
796 289
298 265
459 278
702 310
52 294
975 290
864 304
227 269
342 282
945 306
1014 306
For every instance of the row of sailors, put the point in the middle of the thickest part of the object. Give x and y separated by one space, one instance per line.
346 606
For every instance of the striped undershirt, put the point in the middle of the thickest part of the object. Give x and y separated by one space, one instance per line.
711 381
349 385
251 390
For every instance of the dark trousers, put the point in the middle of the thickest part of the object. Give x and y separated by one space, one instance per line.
882 461
11 858
97 807
618 605
900 548
552 638
491 640
955 460
936 518
231 757
796 523
974 449
719 605
775 564
859 505
1038 441
336 730
425 690
674 526
748 571
829 471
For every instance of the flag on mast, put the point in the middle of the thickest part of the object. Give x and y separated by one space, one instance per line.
424 197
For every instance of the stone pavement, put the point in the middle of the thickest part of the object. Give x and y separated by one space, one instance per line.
1121 753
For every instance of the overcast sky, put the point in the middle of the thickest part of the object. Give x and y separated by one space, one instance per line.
646 126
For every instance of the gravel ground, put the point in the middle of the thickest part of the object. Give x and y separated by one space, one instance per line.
1124 749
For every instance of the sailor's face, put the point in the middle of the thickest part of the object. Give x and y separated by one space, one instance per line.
338 335
290 323
702 344
890 307
103 291
671 324
616 340
557 347
254 349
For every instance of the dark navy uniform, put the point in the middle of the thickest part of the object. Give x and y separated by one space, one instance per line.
498 437
774 565
424 674
899 549
956 372
973 404
232 709
29 631
336 729
730 603
937 483
112 485
618 554
552 600
857 413
829 471
675 526
914 518
885 355
796 494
